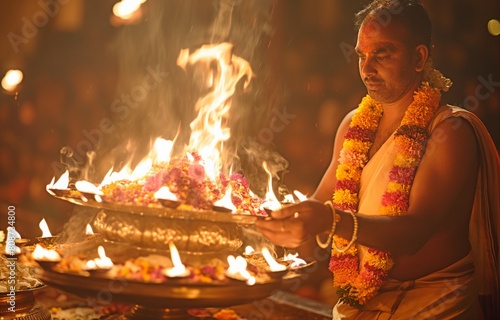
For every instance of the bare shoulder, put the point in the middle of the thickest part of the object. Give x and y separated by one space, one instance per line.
447 173
454 136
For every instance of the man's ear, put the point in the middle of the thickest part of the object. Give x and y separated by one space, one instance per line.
421 55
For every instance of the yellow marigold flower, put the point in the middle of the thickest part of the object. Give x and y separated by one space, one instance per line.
378 262
357 146
345 197
396 186
346 172
390 210
405 162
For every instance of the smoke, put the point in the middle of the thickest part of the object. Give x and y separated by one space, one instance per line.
156 98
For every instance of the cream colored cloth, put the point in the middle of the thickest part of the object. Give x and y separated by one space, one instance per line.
399 300
446 294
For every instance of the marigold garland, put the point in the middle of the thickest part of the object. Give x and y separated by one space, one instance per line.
358 281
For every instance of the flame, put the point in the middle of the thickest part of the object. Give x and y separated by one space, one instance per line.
238 269
11 79
270 201
165 193
209 129
85 186
160 153
296 261
125 9
61 184
45 229
273 264
88 230
226 202
103 262
179 270
40 253
300 195
249 250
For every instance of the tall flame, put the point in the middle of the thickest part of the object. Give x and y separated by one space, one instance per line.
209 128
270 202
273 264
45 228
178 270
61 184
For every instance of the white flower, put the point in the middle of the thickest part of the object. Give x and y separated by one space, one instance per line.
435 78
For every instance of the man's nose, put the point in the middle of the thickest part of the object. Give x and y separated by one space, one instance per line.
367 67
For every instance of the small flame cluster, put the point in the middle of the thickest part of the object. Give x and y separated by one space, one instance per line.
243 268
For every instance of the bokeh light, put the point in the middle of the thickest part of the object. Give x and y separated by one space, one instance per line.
494 27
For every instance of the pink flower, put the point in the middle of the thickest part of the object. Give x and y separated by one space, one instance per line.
196 172
397 198
359 133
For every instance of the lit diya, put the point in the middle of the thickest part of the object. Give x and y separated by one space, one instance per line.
46 258
100 265
47 239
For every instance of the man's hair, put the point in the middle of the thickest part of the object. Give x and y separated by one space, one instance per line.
411 14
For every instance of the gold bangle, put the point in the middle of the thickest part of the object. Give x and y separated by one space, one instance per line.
321 244
354 235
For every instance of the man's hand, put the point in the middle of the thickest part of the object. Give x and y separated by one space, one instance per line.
293 225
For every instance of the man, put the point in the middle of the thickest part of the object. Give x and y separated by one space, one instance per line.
415 183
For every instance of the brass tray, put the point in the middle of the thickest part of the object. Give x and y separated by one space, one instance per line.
84 199
174 293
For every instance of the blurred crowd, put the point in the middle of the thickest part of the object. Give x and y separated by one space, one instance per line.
70 76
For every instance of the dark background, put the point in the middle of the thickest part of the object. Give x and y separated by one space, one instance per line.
71 72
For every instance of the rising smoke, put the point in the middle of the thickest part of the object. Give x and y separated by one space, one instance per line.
165 108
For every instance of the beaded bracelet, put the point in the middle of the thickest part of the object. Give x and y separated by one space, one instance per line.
354 235
336 218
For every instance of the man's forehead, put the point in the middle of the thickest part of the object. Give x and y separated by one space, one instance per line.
373 35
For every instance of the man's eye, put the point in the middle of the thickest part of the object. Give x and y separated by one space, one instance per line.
362 58
381 58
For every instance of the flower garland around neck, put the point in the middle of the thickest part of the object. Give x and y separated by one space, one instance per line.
356 283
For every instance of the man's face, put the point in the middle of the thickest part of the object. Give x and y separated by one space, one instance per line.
386 62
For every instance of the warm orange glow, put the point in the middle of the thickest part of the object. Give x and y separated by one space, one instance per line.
45 229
